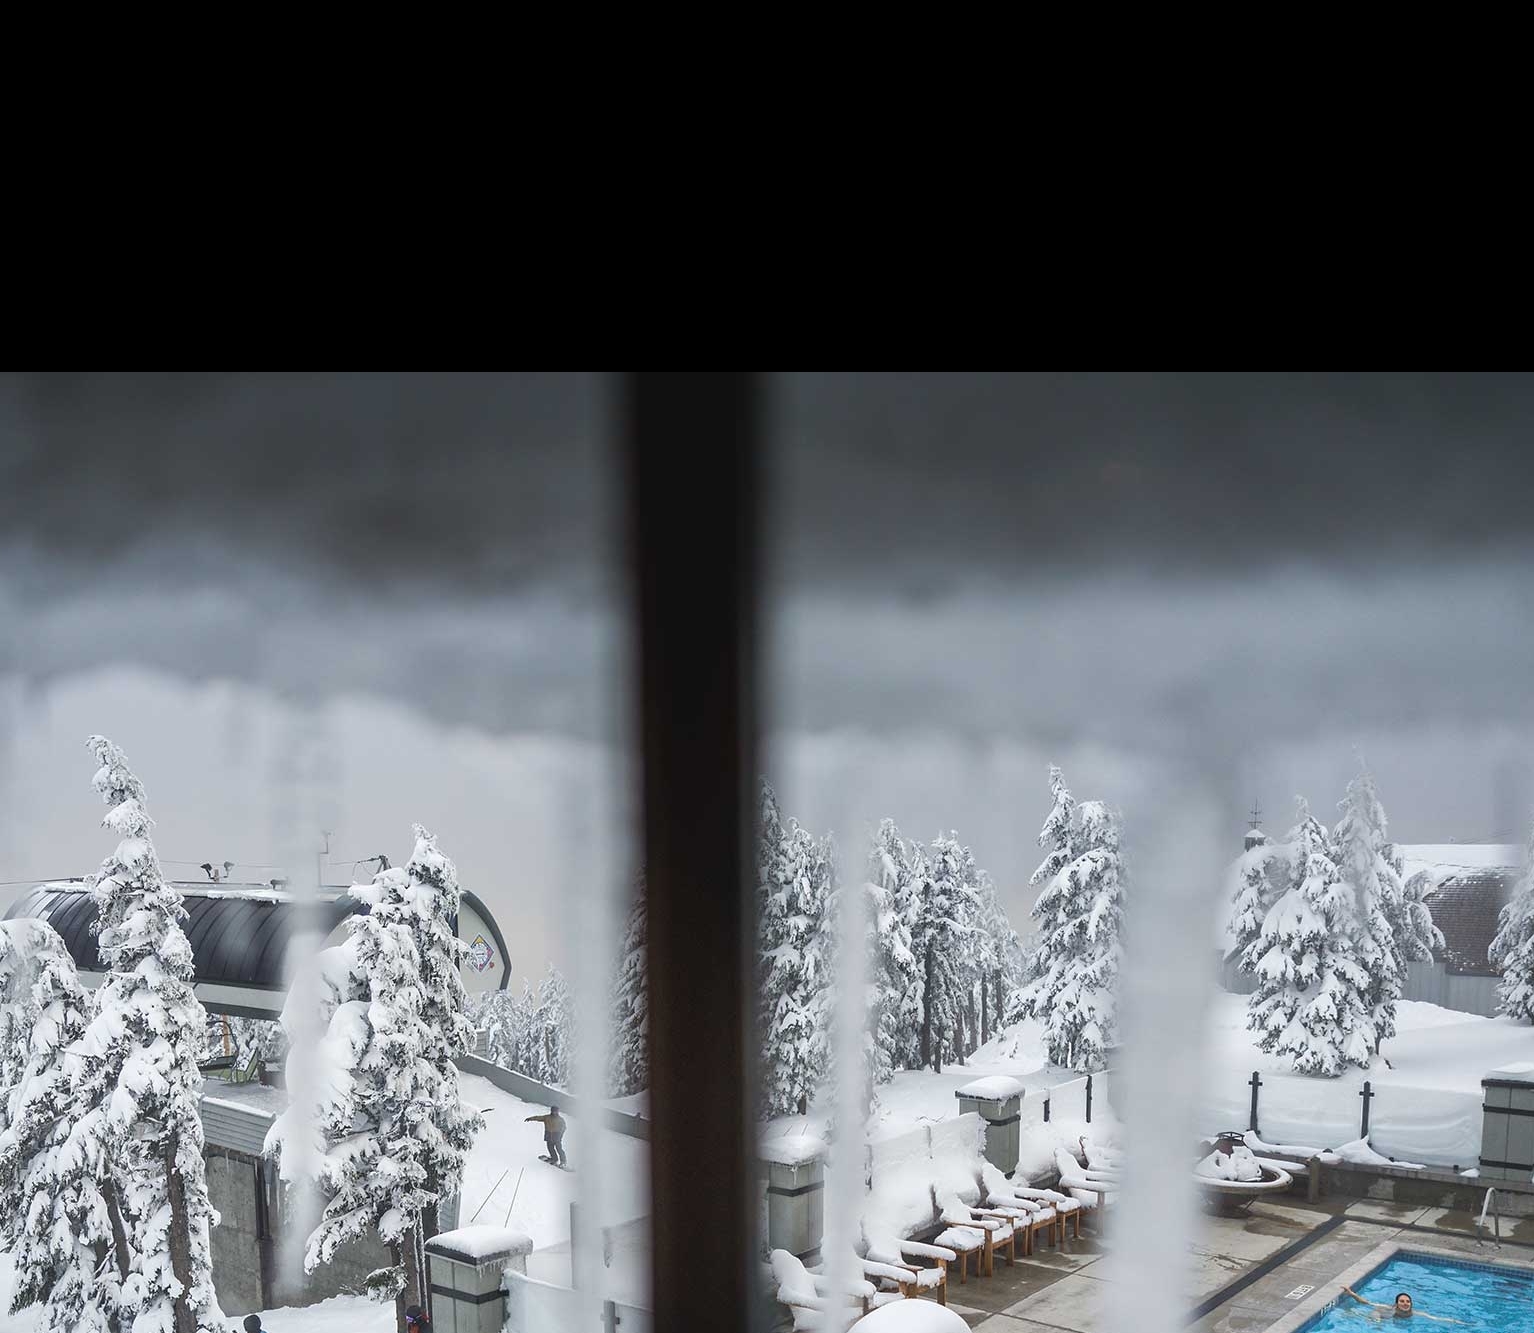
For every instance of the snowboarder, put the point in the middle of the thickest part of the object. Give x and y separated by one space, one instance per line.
417 1320
553 1135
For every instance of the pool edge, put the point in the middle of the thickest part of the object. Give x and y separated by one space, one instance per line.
1319 1302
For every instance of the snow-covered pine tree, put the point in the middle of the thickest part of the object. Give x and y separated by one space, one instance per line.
1311 1001
1512 951
997 949
392 1129
940 940
140 1066
1072 980
432 901
69 1250
629 1062
791 898
894 974
1416 936
18 1006
504 1015
1365 860
550 1039
1259 878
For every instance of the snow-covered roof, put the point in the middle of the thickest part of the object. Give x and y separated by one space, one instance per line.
1442 858
239 933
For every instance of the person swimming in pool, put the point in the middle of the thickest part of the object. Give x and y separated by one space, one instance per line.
1401 1308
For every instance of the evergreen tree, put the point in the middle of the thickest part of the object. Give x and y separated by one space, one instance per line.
1365 861
629 1062
1311 1002
69 1250
1260 877
894 974
940 939
792 894
394 1130
1512 951
1072 979
140 1067
997 952
550 1038
432 900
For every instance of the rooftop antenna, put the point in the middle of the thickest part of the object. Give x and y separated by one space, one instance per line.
1256 819
319 859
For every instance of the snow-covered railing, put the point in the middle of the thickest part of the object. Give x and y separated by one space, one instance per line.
1417 1124
1078 1099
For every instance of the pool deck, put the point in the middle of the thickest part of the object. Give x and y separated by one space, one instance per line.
1269 1269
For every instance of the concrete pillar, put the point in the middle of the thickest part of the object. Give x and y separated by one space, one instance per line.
1507 1123
999 1102
796 1195
465 1268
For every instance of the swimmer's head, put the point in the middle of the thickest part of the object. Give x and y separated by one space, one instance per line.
1403 1305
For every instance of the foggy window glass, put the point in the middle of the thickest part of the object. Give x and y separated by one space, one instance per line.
358 640
1048 660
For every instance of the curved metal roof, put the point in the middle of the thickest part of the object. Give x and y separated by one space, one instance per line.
239 933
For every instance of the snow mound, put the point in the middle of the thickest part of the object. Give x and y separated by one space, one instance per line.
1238 1164
791 1149
996 1088
1359 1153
911 1317
479 1243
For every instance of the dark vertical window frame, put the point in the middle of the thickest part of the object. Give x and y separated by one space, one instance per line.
692 447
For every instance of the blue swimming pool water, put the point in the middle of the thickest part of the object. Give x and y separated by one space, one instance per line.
1482 1296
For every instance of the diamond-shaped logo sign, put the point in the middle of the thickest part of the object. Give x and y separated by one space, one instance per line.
481 955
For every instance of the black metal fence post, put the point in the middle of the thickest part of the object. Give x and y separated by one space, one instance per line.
1046 1108
1367 1094
1256 1082
1089 1099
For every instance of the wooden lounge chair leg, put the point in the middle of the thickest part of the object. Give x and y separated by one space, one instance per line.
989 1254
942 1287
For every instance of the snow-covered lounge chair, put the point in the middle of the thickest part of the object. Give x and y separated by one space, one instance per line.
808 1296
891 1282
1099 1158
1092 1191
927 1264
1030 1216
969 1232
1067 1209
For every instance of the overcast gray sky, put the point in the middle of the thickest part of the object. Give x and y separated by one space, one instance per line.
970 577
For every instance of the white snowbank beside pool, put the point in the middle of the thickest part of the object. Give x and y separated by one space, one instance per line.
1427 1101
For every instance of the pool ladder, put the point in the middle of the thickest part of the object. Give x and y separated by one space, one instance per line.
1496 1222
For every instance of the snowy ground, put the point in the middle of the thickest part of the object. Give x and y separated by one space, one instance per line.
539 1205
344 1314
917 1096
1427 1103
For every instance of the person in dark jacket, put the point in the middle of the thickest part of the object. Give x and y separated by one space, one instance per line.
553 1134
253 1324
417 1320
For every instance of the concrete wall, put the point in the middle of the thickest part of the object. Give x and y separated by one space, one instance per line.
240 1245
249 1258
